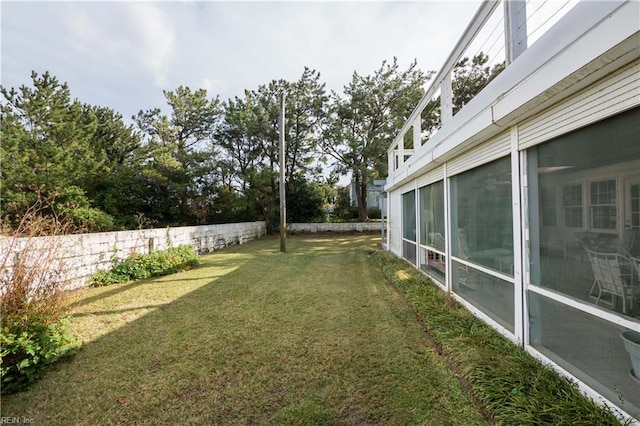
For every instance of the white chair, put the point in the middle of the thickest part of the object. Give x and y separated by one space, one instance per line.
436 240
635 261
612 274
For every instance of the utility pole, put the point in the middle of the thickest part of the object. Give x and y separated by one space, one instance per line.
283 201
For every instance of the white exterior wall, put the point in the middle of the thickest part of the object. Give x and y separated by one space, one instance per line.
559 119
615 93
81 255
335 227
584 70
592 41
394 235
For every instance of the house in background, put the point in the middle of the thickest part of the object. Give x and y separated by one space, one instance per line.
525 203
374 192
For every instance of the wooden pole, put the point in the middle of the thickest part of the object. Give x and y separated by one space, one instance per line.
283 201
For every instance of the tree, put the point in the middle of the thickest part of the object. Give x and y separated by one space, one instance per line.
248 134
305 201
470 76
121 143
179 159
244 165
46 145
342 208
306 105
364 121
121 190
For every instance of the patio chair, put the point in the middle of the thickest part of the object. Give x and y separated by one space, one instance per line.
635 261
436 239
612 274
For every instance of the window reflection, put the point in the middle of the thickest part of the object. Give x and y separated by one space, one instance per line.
588 253
481 216
409 226
588 347
432 231
482 235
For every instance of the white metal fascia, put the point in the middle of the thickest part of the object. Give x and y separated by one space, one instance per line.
409 170
471 132
605 36
588 31
584 35
609 62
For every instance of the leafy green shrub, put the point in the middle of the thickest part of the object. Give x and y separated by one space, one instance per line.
28 346
374 213
33 325
73 205
91 219
139 267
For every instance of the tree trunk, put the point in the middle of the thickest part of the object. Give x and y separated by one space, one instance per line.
361 198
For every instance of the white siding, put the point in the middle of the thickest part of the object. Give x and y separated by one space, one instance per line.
616 93
493 149
408 187
431 177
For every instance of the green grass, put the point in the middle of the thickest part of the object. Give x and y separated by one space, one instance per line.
512 386
253 336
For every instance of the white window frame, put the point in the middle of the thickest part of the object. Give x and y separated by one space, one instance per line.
572 206
517 335
616 204
436 279
557 208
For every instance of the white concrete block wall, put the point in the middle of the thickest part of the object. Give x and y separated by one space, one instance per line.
335 227
77 257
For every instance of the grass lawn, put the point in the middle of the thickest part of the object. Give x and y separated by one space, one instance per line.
252 336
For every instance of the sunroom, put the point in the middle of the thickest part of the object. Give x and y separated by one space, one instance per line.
525 204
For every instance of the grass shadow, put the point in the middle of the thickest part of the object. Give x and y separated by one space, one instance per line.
264 342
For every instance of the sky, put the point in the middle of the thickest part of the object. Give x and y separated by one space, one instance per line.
123 54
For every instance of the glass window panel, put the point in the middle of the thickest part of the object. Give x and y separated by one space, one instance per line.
491 295
432 216
434 264
409 251
603 217
409 216
603 205
548 207
633 213
572 205
481 216
588 259
588 347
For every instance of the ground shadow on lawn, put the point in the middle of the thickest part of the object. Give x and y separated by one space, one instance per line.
313 336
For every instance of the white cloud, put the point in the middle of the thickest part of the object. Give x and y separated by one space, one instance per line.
213 86
120 54
154 41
